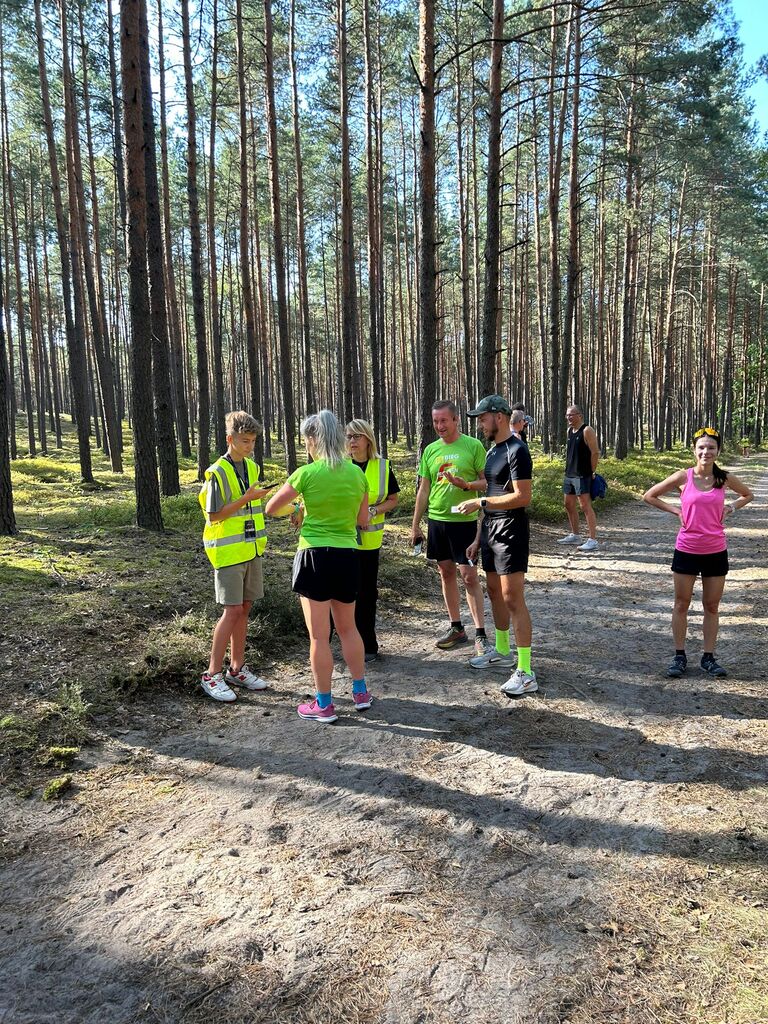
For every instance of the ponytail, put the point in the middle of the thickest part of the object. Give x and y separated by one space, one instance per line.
719 474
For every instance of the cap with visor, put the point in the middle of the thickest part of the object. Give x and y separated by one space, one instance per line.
491 403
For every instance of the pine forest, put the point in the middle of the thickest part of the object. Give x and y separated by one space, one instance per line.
369 205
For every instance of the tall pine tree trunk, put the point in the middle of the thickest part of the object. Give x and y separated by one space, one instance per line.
75 329
148 513
428 237
491 257
181 407
161 366
254 370
279 253
7 516
195 257
301 240
81 247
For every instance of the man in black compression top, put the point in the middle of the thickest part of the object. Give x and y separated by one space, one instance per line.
503 538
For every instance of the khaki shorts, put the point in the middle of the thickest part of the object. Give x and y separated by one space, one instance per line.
238 583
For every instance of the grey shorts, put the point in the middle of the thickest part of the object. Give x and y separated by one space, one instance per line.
577 485
238 583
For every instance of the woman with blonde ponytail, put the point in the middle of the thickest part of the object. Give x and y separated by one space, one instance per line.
325 570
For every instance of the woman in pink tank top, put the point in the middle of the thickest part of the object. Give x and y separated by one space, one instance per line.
701 548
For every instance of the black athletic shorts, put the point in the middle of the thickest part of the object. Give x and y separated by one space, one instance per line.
327 574
504 544
700 565
448 541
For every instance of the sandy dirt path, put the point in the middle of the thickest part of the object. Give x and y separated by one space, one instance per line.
451 855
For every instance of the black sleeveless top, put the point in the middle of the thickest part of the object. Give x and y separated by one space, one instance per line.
578 460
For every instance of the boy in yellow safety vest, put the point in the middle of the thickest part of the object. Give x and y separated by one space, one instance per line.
234 537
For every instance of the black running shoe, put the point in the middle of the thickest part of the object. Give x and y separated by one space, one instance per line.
677 666
711 667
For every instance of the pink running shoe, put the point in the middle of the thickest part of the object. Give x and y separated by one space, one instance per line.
362 700
316 713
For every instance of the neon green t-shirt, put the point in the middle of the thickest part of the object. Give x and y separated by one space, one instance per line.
464 458
332 497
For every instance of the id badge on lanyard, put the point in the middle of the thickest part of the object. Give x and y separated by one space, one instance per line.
249 526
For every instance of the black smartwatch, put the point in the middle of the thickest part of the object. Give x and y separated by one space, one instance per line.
483 502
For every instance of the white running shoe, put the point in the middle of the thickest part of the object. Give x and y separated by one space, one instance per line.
589 545
571 538
215 687
246 679
492 659
520 682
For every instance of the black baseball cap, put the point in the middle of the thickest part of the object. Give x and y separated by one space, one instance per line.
491 403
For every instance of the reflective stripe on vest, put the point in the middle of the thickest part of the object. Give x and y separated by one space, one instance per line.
224 541
377 475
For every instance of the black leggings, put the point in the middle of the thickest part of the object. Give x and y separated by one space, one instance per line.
367 596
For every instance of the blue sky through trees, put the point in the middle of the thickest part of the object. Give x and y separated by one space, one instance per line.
753 32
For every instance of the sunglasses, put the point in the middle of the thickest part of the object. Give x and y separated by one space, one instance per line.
706 431
354 437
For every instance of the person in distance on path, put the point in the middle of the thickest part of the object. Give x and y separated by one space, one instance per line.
582 457
503 537
450 467
701 547
325 569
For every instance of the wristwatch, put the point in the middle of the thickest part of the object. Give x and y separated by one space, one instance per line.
373 509
483 502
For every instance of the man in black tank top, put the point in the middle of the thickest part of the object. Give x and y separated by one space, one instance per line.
582 456
503 540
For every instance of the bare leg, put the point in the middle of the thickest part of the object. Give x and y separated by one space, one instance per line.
450 589
712 587
589 514
683 592
351 642
499 608
572 508
512 587
474 591
239 632
317 617
222 634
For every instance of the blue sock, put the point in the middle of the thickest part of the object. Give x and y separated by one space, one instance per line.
358 685
324 700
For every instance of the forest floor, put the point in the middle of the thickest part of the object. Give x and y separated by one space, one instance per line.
592 853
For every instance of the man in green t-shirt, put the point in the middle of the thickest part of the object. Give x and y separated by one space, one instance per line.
450 470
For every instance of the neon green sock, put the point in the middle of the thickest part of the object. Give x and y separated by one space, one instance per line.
502 641
524 659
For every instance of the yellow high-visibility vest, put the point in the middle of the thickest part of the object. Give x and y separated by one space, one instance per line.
377 475
225 542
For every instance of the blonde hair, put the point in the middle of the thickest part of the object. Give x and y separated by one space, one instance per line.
240 422
325 430
364 427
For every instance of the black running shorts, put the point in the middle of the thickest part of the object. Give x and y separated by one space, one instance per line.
448 541
504 544
688 564
326 574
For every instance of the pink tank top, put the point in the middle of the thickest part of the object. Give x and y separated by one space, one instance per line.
702 532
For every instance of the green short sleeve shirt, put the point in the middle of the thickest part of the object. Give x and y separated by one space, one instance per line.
464 458
332 497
